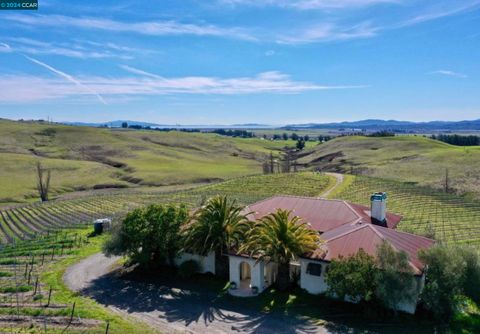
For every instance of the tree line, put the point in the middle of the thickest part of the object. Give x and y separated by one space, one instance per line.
458 140
283 164
235 133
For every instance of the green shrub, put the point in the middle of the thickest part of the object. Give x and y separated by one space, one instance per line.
5 274
352 276
445 280
38 297
188 268
149 236
12 289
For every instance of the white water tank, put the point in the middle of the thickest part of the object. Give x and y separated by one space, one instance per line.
379 206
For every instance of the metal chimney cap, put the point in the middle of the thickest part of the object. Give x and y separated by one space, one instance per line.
379 196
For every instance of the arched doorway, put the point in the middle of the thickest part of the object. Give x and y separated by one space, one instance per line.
245 275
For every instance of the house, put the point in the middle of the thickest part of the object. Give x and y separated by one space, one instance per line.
344 227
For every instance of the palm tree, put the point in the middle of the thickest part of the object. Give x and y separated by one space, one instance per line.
219 226
280 238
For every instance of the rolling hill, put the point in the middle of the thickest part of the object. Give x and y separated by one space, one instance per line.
402 158
83 158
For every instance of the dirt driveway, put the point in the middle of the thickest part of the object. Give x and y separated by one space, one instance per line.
174 310
338 181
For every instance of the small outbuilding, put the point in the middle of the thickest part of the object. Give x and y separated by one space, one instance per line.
100 225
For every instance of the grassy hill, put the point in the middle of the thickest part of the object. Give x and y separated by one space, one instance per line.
402 158
84 158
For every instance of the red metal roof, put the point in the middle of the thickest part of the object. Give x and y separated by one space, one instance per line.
347 240
346 227
322 214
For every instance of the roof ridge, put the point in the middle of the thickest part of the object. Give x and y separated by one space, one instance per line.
348 204
300 196
403 232
360 226
373 227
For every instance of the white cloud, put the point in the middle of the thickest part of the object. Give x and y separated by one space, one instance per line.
327 32
4 47
152 28
269 53
310 4
450 73
68 77
443 10
27 88
73 50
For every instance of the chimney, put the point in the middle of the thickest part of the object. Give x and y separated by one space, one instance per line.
378 209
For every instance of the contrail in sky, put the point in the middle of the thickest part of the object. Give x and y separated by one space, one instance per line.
67 77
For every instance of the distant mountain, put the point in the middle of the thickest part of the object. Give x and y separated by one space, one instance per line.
367 125
251 125
117 124
393 125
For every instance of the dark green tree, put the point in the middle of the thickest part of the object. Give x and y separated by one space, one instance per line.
471 284
149 236
445 279
352 276
300 144
394 278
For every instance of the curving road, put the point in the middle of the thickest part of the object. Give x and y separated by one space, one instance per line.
338 181
175 310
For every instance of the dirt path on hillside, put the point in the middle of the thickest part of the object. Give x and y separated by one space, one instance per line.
338 181
176 310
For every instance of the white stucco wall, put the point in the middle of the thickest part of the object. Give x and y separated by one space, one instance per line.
311 283
256 271
316 284
207 263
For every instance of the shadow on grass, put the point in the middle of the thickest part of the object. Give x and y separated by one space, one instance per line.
202 301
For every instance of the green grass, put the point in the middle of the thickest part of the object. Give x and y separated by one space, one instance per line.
86 307
454 219
83 157
254 188
63 214
51 276
402 158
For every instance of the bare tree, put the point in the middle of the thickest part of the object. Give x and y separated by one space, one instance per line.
286 163
266 168
272 163
43 182
447 181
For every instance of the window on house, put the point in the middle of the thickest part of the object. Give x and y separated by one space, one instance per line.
314 269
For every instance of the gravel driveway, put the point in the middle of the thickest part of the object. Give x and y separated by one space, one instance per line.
173 310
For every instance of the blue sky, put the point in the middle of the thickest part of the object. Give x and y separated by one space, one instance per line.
238 61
